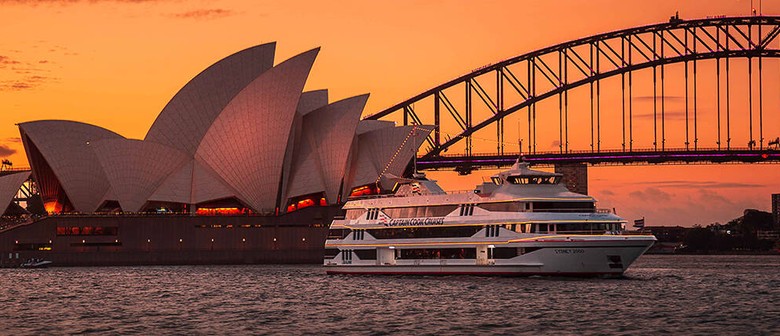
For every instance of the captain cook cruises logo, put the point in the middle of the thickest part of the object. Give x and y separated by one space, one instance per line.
382 218
415 221
385 220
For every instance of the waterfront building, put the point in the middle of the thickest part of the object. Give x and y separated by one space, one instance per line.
776 210
239 146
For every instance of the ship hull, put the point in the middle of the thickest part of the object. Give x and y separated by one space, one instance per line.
508 271
603 256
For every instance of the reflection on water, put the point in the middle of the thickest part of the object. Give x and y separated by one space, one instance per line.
660 294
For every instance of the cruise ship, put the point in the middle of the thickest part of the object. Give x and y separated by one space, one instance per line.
522 222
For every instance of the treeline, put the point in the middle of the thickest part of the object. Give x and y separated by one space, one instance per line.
700 239
740 234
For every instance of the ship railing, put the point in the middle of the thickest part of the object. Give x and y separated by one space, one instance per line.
148 214
355 198
559 210
458 192
15 169
11 222
588 232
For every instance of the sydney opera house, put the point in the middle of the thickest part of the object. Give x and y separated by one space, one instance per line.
241 166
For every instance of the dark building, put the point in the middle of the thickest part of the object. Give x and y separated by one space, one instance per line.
776 210
575 176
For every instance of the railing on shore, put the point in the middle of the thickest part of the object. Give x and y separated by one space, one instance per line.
15 169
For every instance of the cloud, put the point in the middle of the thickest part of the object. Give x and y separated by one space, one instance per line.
699 184
555 144
650 98
668 115
204 14
710 197
6 151
13 140
651 195
25 83
19 74
5 61
71 2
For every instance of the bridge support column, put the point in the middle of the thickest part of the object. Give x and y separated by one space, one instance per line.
575 176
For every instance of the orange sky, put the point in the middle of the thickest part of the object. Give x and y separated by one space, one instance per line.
116 64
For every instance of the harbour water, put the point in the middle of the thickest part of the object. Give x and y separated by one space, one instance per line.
723 295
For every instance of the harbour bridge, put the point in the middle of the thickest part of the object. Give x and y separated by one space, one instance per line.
683 91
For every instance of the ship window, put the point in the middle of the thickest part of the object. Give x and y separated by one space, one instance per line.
419 212
467 209
497 180
410 212
338 233
542 228
439 211
564 207
504 252
491 231
346 256
587 228
358 234
517 180
354 213
534 179
504 206
366 254
373 214
425 232
444 253
331 253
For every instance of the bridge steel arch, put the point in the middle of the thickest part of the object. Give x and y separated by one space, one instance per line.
555 70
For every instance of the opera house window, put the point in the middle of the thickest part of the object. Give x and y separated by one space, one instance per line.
87 231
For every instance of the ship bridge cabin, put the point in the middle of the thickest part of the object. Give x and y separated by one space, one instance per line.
521 175
539 191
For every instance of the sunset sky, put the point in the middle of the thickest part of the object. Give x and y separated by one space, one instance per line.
116 63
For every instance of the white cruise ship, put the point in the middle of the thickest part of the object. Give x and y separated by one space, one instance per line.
521 223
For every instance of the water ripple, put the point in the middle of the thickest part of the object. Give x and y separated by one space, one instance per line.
700 295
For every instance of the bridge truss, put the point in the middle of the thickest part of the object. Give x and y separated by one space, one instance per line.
487 96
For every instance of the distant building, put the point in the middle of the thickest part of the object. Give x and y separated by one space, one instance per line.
575 177
776 210
668 233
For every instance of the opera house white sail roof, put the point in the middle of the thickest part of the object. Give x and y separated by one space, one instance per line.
240 134
9 186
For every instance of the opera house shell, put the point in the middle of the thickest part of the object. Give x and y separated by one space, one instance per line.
240 140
